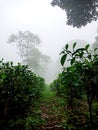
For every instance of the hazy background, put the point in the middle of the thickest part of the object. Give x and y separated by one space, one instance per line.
39 17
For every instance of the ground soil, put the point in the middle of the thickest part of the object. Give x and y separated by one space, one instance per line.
52 112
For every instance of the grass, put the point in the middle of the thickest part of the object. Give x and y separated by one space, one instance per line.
52 108
47 95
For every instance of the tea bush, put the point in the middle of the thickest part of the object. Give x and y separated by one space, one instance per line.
19 89
78 84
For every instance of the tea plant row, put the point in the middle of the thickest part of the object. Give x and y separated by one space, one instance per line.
20 88
78 86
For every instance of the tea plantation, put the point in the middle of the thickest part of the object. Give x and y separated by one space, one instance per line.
70 102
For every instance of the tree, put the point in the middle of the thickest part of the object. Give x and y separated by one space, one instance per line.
24 41
27 44
37 61
79 12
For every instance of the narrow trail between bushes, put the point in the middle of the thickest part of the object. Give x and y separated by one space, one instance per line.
52 111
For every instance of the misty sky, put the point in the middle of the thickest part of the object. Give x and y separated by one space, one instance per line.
39 17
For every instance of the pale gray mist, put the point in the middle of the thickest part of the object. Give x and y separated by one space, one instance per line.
39 17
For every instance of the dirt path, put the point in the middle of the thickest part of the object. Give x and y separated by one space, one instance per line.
52 111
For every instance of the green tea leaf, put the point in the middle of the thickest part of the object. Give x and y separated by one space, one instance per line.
63 58
66 46
78 50
95 49
74 45
87 46
62 52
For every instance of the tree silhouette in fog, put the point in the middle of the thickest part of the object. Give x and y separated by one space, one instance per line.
79 12
27 44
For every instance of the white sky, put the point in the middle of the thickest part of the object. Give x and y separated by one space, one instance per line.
38 16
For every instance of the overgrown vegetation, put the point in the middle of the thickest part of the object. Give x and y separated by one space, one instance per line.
20 90
70 102
78 84
52 110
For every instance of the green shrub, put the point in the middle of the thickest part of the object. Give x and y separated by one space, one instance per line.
78 84
19 89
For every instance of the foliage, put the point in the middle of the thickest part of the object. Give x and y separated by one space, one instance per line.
19 89
83 74
27 44
52 110
78 84
57 86
79 12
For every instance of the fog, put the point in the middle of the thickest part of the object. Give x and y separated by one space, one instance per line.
39 17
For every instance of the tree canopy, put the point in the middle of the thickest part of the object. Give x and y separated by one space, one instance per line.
24 41
79 12
27 44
